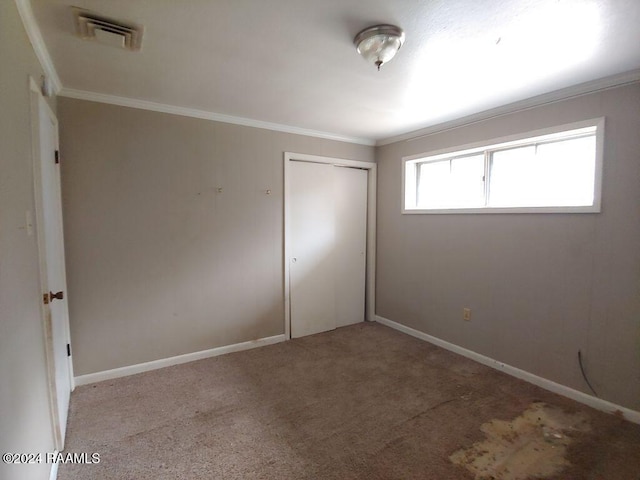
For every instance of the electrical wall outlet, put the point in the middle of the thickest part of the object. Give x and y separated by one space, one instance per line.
466 314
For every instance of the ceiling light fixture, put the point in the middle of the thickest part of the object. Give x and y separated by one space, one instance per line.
379 44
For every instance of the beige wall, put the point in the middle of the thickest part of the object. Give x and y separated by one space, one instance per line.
25 424
158 262
540 286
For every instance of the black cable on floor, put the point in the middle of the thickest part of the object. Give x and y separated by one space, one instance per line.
584 375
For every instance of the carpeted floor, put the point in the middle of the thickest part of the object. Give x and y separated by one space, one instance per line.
361 402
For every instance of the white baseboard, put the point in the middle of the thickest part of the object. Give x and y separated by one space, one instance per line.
53 474
167 362
554 387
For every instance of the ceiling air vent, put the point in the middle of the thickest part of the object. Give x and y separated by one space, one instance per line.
91 26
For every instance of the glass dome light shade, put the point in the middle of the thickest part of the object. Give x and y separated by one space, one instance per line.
379 44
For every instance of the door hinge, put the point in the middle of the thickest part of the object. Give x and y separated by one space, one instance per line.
57 157
45 298
68 350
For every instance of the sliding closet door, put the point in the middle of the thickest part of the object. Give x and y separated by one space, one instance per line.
312 265
328 210
350 193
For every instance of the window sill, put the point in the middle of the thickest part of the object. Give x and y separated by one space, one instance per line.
501 210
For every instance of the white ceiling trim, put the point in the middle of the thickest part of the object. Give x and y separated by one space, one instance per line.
35 37
547 98
42 53
205 115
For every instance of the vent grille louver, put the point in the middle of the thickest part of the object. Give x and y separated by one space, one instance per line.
91 26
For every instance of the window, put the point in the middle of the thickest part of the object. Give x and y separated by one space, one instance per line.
556 170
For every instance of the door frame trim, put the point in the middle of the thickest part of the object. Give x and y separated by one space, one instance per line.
370 279
37 101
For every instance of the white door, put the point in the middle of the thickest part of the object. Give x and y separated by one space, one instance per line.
53 278
328 210
312 249
350 193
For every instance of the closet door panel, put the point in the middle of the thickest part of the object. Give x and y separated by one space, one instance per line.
350 195
312 235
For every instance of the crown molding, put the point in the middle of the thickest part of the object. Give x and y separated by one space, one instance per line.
35 37
205 115
42 53
533 102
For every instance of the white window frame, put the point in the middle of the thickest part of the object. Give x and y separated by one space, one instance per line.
545 134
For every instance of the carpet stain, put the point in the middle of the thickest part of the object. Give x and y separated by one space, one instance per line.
532 445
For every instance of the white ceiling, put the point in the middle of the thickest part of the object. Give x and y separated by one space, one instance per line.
292 62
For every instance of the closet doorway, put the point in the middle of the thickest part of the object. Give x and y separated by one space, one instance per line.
329 243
